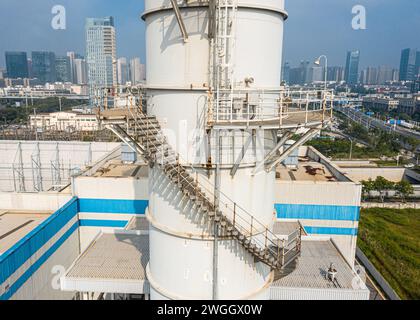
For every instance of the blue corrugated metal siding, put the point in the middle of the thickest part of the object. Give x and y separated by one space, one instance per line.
16 256
331 231
13 258
35 266
317 212
103 223
113 206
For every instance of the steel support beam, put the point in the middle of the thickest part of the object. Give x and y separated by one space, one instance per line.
282 141
212 19
120 133
217 183
310 134
180 20
242 154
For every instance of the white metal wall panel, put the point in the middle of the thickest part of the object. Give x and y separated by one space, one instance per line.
33 201
170 61
72 155
259 34
319 193
111 188
359 174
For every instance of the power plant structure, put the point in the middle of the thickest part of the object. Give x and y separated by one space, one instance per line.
213 83
211 193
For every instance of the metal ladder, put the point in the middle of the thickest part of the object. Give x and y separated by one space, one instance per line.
226 11
233 221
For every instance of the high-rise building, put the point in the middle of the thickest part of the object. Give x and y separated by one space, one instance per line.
43 66
71 55
317 74
137 71
72 59
369 76
63 69
385 74
101 52
80 71
409 64
295 76
301 74
30 73
17 65
351 72
122 71
395 75
306 73
285 73
415 86
335 74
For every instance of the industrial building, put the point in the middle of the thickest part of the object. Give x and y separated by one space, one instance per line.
211 193
64 121
93 235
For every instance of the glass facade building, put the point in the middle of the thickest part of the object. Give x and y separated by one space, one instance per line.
44 66
17 65
351 72
101 52
409 65
63 69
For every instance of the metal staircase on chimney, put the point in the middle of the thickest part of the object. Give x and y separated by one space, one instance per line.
233 221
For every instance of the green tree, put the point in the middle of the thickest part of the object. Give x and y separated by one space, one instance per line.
382 185
367 187
404 189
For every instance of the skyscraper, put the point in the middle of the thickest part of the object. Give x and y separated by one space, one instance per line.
30 73
385 74
101 52
369 76
80 71
43 66
301 74
295 76
395 75
17 65
63 69
306 72
71 55
137 71
335 74
285 74
409 64
351 72
317 74
122 71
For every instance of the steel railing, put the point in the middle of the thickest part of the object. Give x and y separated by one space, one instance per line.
248 106
241 220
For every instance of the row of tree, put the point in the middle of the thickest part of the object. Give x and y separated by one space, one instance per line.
11 114
403 189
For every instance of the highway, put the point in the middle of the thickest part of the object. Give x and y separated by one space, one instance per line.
369 122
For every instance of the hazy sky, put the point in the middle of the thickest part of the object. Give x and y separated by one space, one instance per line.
314 27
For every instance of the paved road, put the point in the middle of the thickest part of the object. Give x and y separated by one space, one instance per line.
369 122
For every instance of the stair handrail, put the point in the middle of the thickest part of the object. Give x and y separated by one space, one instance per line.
253 228
272 244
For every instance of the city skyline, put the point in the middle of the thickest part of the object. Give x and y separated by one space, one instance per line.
321 21
72 68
